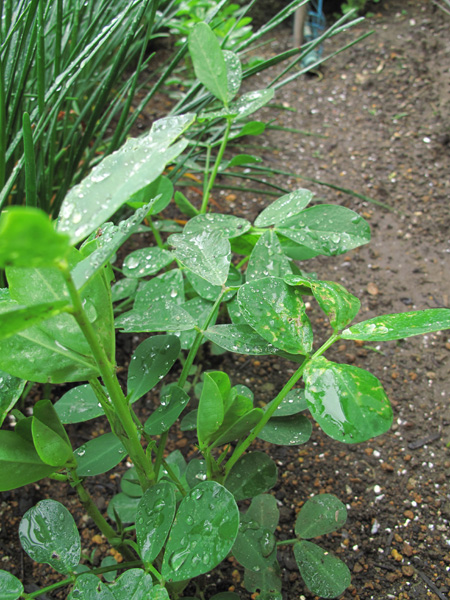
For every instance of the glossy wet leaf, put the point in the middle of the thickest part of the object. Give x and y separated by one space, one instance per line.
320 515
241 339
208 60
166 317
89 587
267 258
205 527
158 592
234 72
99 455
167 288
151 361
327 229
287 431
284 208
146 261
264 511
161 188
134 584
228 225
293 403
254 473
10 586
240 160
199 310
154 518
277 312
20 464
15 318
124 288
172 403
244 106
196 472
28 239
323 573
11 389
78 405
240 427
211 292
125 506
48 534
255 547
267 582
210 410
399 326
121 174
349 403
206 253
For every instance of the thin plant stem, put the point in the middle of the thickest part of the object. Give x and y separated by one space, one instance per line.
215 170
276 402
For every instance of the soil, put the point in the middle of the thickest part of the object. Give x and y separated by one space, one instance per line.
379 115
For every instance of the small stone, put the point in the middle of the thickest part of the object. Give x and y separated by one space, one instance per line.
408 570
409 514
372 288
396 555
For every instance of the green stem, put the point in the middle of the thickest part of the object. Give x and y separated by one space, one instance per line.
156 234
122 418
175 479
160 453
287 542
219 157
276 402
242 262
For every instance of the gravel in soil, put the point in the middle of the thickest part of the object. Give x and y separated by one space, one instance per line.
383 111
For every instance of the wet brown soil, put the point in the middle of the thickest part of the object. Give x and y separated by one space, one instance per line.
382 110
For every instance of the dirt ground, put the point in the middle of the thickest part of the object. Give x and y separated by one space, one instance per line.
382 110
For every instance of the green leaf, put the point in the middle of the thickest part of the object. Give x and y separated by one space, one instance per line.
121 174
154 518
11 389
129 484
158 593
293 403
226 596
287 431
242 108
399 326
211 292
320 515
268 582
19 462
255 547
48 534
124 288
28 239
254 473
239 428
167 317
109 561
228 226
240 160
199 310
49 437
184 205
134 584
327 229
205 527
99 455
78 405
264 511
146 261
241 339
196 472
151 361
10 586
234 72
189 421
173 401
267 258
89 587
277 312
349 403
124 506
337 303
207 254
209 63
162 187
284 208
323 573
15 318
168 287
210 410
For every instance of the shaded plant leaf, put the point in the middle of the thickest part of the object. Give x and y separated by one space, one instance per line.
11 389
134 584
124 506
268 582
320 515
89 587
277 312
206 253
161 188
254 473
323 573
287 431
211 292
168 317
172 403
204 530
196 472
267 258
241 339
129 484
154 518
240 427
20 464
349 403
263 510
151 361
255 547
210 410
99 455
284 208
327 229
124 288
15 318
399 326
78 405
293 403
48 534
